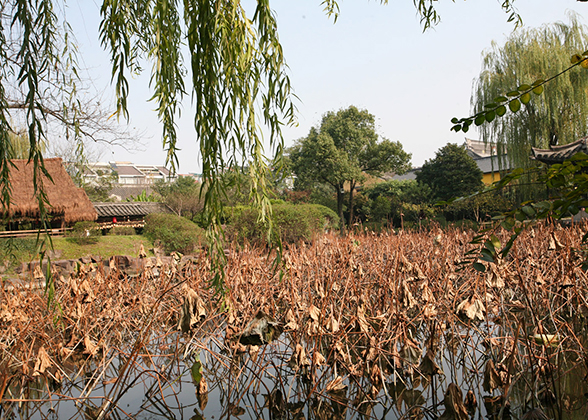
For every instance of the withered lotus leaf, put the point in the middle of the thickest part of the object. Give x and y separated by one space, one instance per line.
299 358
428 367
192 311
454 406
362 321
261 330
472 308
470 402
318 359
332 324
314 313
336 385
290 319
43 362
492 379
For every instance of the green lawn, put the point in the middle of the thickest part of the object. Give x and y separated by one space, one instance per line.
107 246
18 250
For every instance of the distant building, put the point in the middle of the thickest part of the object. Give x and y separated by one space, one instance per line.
557 154
484 154
478 149
127 173
128 179
486 157
194 175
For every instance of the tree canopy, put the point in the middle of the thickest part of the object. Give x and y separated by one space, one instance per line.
452 173
233 69
560 114
343 149
182 196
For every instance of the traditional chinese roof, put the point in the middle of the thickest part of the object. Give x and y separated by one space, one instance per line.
477 149
491 164
557 154
130 209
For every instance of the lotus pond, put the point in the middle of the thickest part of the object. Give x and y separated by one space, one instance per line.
363 326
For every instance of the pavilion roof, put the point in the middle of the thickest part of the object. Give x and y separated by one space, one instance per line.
557 154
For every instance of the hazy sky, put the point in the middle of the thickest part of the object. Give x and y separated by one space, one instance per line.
374 57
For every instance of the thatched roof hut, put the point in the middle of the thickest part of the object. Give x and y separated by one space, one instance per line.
67 203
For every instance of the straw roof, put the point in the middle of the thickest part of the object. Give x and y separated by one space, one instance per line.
65 199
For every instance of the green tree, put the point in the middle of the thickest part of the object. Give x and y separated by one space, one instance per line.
452 173
99 189
343 149
388 200
560 113
20 146
183 196
233 68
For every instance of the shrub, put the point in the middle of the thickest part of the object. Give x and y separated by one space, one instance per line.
14 250
122 231
292 223
84 233
175 233
478 208
417 212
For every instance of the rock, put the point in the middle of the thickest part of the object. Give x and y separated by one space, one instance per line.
63 266
122 262
55 254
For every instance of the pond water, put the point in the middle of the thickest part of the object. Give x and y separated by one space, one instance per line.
374 327
268 382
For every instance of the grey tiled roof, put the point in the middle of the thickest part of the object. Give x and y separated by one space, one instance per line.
491 164
407 175
163 170
129 209
557 154
127 170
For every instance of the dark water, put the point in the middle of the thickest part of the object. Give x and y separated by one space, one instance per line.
266 386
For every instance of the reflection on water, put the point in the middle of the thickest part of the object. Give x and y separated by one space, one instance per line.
360 329
448 378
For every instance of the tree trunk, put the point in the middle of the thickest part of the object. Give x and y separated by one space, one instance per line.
351 188
340 196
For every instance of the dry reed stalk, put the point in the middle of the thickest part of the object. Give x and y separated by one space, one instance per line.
377 309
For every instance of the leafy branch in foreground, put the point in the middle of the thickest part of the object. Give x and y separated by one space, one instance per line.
514 98
568 183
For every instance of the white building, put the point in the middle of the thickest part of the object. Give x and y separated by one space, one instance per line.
128 173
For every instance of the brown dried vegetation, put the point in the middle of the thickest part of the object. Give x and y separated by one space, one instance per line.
368 320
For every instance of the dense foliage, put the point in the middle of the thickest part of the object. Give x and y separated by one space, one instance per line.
481 207
183 196
342 151
559 114
84 233
173 233
452 173
291 223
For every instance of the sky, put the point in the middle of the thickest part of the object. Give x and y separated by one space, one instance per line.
375 57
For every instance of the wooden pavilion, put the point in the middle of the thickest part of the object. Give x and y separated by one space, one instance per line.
68 204
557 154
